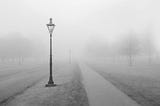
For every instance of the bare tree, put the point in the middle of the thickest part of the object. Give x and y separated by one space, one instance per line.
148 45
129 46
15 46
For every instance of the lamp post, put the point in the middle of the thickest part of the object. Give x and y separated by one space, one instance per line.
50 27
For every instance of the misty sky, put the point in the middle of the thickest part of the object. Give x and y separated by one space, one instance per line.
77 21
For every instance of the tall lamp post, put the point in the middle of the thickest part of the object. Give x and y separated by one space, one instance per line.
50 27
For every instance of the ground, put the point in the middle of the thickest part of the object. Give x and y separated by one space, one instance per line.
24 85
68 92
141 82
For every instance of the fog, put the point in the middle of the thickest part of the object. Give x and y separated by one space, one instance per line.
79 23
104 52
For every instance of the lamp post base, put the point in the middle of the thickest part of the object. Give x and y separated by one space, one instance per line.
50 85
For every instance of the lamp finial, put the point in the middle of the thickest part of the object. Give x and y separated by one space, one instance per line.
50 20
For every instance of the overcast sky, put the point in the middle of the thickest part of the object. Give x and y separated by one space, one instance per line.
79 20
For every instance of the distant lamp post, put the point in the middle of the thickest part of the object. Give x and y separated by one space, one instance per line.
50 27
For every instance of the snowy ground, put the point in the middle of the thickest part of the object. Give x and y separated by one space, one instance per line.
140 82
25 86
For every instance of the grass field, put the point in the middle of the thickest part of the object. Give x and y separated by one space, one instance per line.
141 82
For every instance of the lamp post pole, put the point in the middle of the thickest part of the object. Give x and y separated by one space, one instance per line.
50 28
50 77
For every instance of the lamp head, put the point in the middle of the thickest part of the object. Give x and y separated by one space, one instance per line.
50 26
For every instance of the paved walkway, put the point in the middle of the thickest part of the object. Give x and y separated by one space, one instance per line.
101 92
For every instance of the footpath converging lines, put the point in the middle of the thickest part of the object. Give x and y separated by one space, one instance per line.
101 92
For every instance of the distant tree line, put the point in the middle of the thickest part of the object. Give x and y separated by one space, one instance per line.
15 47
130 45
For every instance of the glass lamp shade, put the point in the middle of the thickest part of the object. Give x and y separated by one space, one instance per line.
50 26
